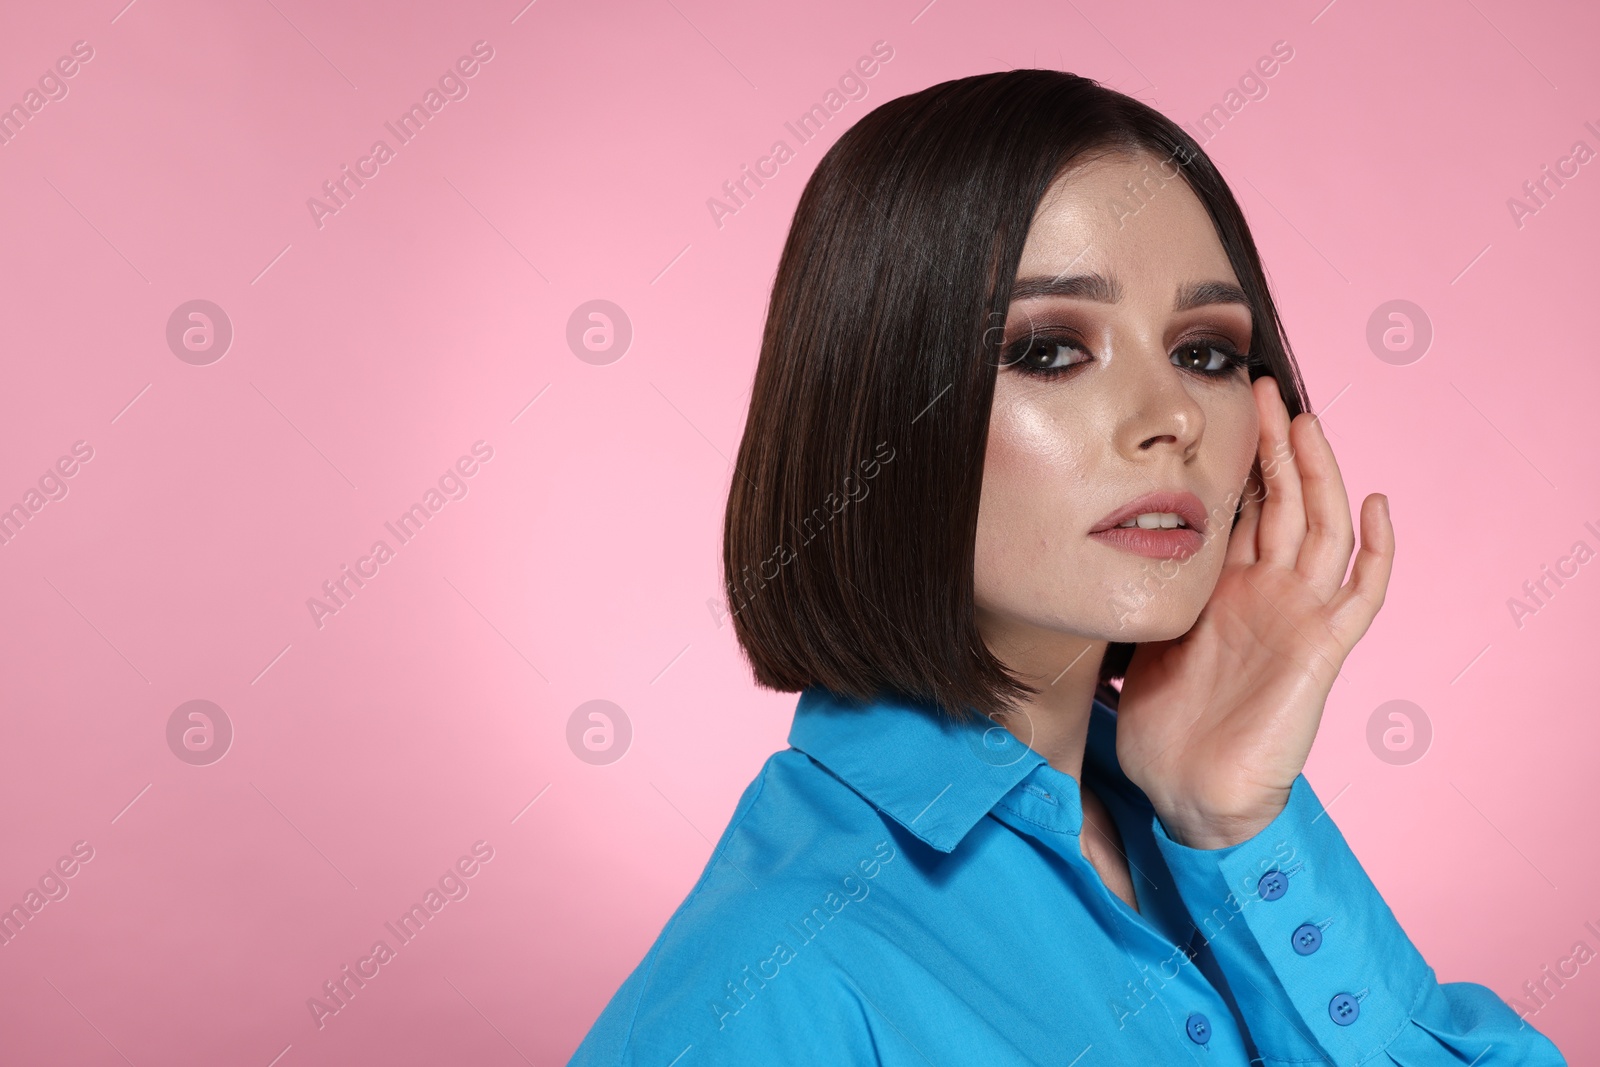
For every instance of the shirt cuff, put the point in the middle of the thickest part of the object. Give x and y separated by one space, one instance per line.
1316 961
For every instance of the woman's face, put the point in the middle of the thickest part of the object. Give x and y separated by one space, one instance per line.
1123 305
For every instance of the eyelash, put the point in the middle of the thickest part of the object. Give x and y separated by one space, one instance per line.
1232 359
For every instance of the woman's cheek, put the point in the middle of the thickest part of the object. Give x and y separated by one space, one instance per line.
1026 499
1243 423
1034 437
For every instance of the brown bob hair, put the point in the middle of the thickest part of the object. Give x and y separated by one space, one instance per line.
852 514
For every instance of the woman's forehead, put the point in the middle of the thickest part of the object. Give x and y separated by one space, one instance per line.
1116 217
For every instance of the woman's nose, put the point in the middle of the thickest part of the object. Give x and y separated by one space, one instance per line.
1157 408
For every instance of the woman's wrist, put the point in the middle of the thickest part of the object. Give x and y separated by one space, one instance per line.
1195 828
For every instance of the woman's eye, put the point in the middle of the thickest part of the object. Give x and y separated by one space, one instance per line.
1208 357
1044 354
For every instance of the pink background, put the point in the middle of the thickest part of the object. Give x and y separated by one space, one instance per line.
371 352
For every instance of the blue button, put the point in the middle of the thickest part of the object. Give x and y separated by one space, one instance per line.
1272 885
1307 938
1344 1009
1199 1028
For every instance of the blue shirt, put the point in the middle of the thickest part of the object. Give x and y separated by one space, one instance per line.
899 889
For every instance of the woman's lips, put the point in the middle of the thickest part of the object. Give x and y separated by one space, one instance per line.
1177 543
1186 505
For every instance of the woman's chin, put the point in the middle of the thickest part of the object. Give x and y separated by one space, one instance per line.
1152 626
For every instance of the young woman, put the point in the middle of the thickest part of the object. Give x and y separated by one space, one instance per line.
1025 423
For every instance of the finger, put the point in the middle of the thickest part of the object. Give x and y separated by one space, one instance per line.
1283 516
1325 553
1242 541
1353 608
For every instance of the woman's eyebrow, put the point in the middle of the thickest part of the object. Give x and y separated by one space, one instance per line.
1105 290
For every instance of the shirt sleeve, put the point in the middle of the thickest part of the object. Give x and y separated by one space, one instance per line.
1319 965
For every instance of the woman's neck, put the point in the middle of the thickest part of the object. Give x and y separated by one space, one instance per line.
1065 672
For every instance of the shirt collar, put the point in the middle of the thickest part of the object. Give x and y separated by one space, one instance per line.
934 776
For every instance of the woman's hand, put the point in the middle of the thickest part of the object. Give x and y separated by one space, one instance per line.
1216 725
